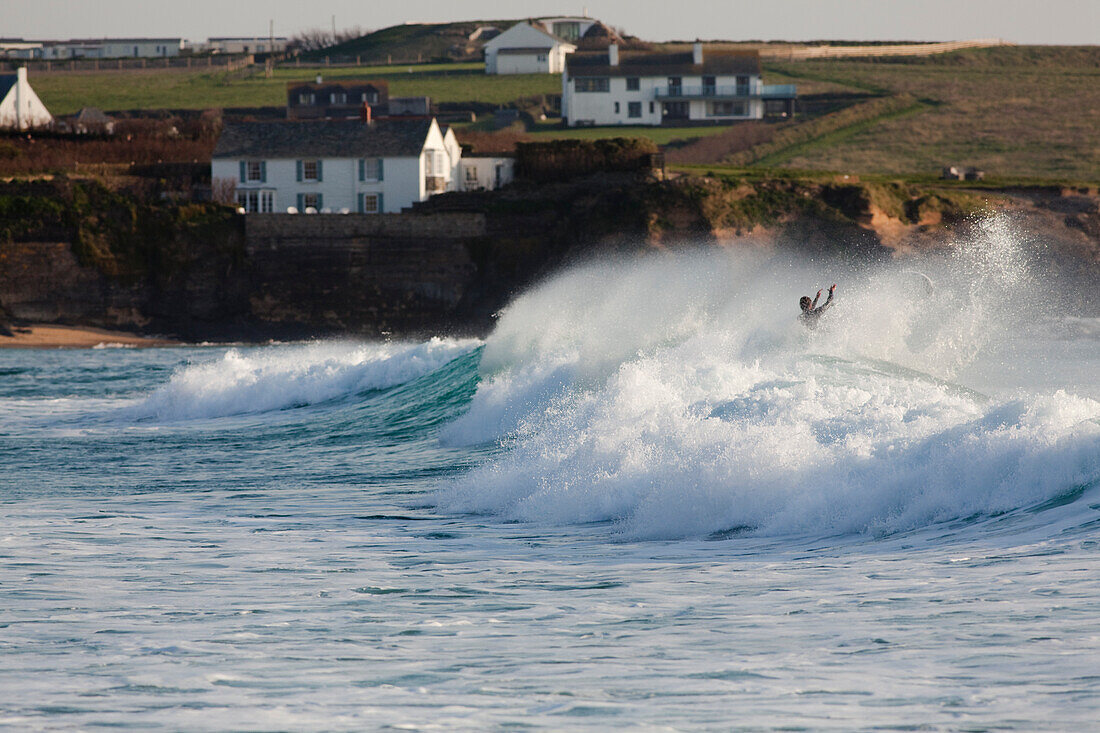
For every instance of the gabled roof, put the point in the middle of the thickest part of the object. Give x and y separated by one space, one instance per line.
376 84
643 63
323 139
535 26
7 81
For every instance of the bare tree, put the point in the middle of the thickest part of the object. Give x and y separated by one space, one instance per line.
315 39
223 190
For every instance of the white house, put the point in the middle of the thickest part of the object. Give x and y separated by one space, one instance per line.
255 44
20 49
332 165
112 48
526 49
641 88
487 171
20 107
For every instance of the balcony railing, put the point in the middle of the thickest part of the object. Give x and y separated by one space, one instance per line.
766 91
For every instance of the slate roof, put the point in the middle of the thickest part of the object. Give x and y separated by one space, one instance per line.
322 139
7 81
642 63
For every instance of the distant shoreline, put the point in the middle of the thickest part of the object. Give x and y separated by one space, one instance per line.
47 336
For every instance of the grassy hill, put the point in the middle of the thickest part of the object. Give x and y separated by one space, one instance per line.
1024 111
413 42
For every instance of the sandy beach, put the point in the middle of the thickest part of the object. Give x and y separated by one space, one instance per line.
45 336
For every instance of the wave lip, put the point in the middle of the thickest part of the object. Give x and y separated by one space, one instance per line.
264 380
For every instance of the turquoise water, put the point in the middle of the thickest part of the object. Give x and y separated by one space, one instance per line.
647 500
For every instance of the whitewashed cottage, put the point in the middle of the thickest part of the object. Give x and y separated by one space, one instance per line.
333 166
526 49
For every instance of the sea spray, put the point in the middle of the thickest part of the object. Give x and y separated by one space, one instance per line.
679 396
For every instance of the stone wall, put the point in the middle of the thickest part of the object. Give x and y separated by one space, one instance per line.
360 274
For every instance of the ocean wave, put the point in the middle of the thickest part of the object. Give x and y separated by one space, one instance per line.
678 395
266 379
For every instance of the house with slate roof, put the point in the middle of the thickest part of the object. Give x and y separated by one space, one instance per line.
642 88
333 166
20 107
527 48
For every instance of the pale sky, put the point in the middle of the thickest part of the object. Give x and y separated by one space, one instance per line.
1018 21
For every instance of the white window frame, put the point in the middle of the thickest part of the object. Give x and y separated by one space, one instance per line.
368 199
254 170
306 164
311 200
470 172
371 167
632 108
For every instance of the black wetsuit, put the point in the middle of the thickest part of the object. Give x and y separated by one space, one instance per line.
810 316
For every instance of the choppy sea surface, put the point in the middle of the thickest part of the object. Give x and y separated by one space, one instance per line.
650 499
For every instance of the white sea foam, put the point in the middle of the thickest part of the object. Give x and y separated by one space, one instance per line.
678 396
267 379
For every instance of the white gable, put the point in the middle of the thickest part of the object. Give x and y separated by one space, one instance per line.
21 108
522 35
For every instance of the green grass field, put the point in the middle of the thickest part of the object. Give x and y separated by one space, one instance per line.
65 93
1015 112
550 130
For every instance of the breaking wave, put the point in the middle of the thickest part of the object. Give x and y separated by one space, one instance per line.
266 379
677 395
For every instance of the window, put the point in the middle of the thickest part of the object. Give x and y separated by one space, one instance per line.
370 203
633 109
305 98
471 174
616 108
708 85
370 97
255 171
651 107
632 84
370 169
256 201
309 201
592 84
311 170
674 83
726 109
339 98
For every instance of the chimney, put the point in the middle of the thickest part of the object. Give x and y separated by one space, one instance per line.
318 78
613 54
365 113
697 53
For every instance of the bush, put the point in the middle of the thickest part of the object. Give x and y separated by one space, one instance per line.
559 160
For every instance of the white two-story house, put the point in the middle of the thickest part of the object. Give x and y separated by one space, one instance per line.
641 88
527 48
333 166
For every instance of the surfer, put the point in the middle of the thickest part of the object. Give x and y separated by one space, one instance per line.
810 310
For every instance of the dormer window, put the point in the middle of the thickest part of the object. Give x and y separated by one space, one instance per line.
305 98
339 98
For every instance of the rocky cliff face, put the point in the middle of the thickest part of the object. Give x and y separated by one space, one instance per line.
77 253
